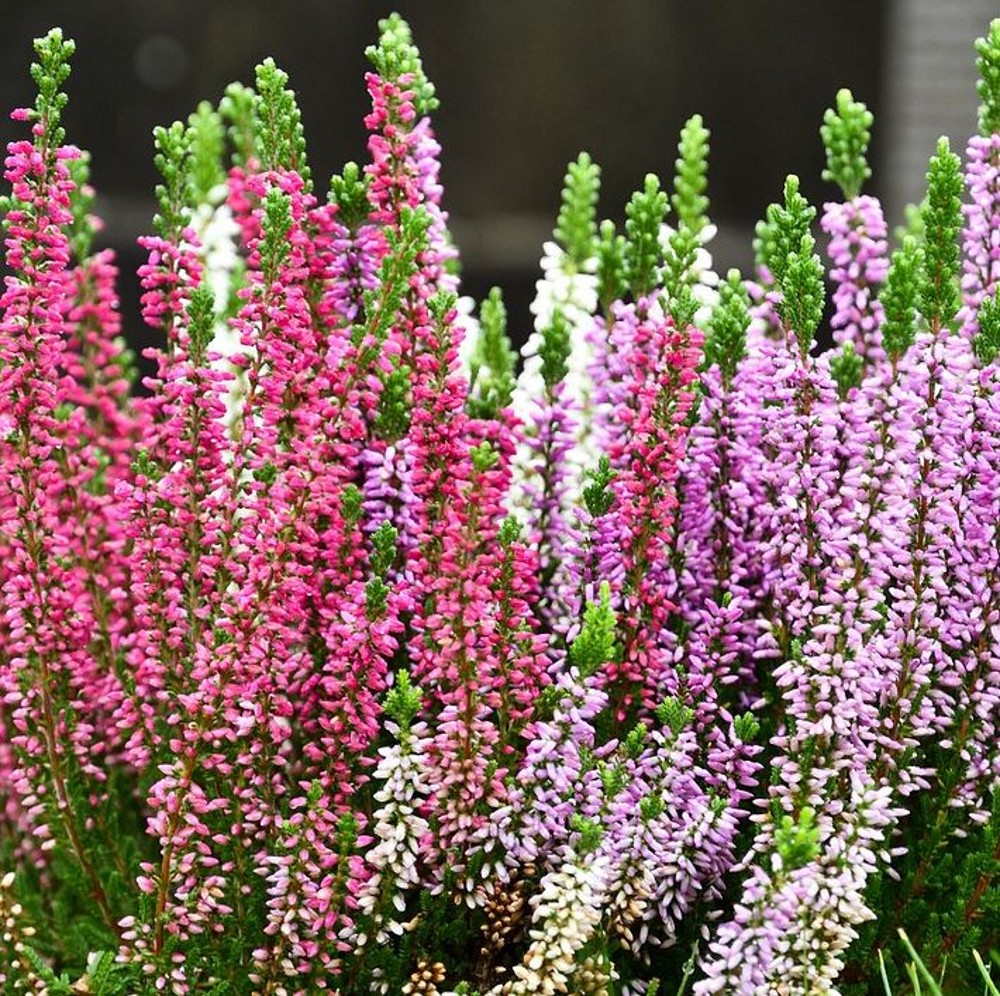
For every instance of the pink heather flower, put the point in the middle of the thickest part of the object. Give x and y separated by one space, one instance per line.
859 253
654 395
48 608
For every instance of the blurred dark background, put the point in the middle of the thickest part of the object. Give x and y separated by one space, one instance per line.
524 85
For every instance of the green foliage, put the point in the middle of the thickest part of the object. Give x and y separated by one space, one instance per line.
899 297
598 495
987 341
491 368
673 714
275 227
201 323
554 350
83 228
351 503
797 840
595 645
484 457
679 257
349 191
846 131
402 702
988 85
691 178
611 282
206 144
280 137
171 161
383 555
746 726
576 227
847 368
383 548
50 72
645 213
651 807
946 898
392 419
803 293
942 216
780 234
590 833
634 742
441 304
726 339
396 56
382 304
238 109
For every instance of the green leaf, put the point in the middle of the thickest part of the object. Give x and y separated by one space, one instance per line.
554 350
611 283
280 137
396 56
797 840
206 139
171 161
402 702
595 645
726 341
576 227
491 368
939 292
598 496
899 297
383 548
392 419
987 341
590 831
919 967
780 234
645 213
803 293
988 85
50 73
691 178
238 109
349 191
847 368
674 715
746 727
81 200
846 132
275 228
201 323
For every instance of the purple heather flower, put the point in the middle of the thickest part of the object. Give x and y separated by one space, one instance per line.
858 251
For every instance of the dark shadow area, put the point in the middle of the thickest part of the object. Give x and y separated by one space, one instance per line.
523 87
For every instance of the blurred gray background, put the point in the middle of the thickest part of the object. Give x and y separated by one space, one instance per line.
524 85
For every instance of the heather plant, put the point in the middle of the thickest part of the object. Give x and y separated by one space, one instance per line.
352 656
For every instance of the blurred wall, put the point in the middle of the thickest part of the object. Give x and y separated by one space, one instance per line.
524 85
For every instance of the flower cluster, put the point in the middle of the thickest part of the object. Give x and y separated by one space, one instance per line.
347 658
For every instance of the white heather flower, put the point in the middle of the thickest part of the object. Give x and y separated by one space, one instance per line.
218 234
469 325
398 828
567 910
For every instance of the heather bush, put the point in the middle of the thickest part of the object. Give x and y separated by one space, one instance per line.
350 656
